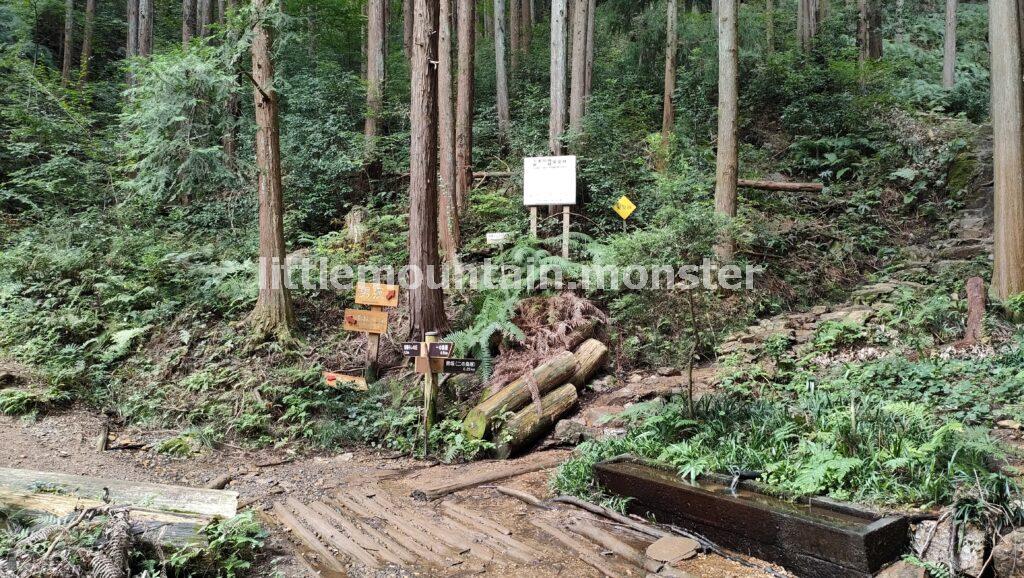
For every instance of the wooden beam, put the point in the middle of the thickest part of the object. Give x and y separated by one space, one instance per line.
782 186
489 473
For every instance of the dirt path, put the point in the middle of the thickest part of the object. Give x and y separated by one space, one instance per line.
66 443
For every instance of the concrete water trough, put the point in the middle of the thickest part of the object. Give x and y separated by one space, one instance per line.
811 538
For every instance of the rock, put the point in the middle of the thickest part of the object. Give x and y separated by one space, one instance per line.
1009 424
603 416
671 549
1008 555
667 371
903 569
857 315
941 549
572 432
346 457
819 310
871 293
635 378
603 384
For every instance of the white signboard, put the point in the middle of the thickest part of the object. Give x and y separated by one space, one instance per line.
549 181
499 238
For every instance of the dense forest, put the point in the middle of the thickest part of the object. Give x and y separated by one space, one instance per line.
226 228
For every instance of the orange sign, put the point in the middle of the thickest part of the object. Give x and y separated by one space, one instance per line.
367 321
377 294
339 379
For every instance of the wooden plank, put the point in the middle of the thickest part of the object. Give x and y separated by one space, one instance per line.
380 538
586 554
366 321
781 186
397 534
329 533
378 294
358 535
308 539
399 522
431 527
487 473
154 497
479 526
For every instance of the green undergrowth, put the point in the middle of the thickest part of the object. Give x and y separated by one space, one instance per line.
876 413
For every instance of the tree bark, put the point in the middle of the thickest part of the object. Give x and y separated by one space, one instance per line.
1008 143
69 32
727 165
516 395
591 31
204 17
233 106
464 104
668 113
559 31
90 23
514 33
782 186
375 71
407 23
590 357
769 26
145 27
188 21
273 314
806 22
448 217
500 73
869 30
577 93
426 303
949 46
526 27
132 43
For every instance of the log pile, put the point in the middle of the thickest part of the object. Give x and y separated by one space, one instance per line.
515 418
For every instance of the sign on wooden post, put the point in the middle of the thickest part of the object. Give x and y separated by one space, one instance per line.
550 181
373 322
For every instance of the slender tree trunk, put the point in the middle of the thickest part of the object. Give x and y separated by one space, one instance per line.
145 27
514 22
500 73
221 12
132 43
769 26
464 105
526 27
869 30
727 165
426 304
949 46
90 23
591 31
447 215
188 21
375 70
69 32
806 22
204 17
577 94
1008 153
233 106
273 315
559 31
901 32
668 111
407 16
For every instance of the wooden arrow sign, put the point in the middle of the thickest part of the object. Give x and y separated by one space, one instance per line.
368 321
440 349
377 294
461 365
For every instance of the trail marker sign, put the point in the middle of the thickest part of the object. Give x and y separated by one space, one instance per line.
453 365
624 207
549 181
376 294
373 322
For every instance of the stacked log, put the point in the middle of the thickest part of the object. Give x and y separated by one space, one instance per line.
557 380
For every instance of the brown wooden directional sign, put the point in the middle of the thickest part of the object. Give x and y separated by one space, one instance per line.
461 365
429 365
377 294
413 349
440 349
368 321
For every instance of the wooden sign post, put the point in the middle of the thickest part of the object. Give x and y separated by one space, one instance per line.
550 181
373 322
429 391
433 357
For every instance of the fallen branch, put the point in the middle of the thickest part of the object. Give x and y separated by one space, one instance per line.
586 555
220 482
781 186
523 497
611 515
542 462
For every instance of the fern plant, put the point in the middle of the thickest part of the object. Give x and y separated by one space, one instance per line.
494 318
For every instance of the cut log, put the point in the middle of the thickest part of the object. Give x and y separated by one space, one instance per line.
611 515
586 554
975 311
527 425
516 395
525 497
220 482
489 474
782 186
590 357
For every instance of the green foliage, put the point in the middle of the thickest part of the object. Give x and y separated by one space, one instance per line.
493 322
232 547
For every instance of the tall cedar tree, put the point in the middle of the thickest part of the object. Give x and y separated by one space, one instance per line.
87 32
500 71
273 315
727 165
376 13
466 15
559 32
448 218
668 111
949 46
426 303
577 93
869 30
146 14
188 21
1008 143
69 31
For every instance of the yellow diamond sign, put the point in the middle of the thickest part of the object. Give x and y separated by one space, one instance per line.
624 207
